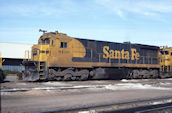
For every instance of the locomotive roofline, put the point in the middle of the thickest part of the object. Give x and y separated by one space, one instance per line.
141 45
145 46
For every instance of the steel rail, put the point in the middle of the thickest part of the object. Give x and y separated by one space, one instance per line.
143 102
154 110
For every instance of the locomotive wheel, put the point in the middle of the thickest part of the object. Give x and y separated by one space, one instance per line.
68 75
83 74
58 78
73 78
51 74
154 73
129 75
146 74
135 74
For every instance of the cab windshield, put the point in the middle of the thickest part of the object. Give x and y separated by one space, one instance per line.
164 52
47 41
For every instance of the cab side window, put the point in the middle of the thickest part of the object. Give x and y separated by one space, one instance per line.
43 41
63 45
52 42
47 41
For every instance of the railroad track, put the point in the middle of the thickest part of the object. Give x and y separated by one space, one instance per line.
151 105
50 88
162 108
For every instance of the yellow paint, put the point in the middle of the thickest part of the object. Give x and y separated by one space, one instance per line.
106 53
166 59
78 50
116 54
41 51
0 61
134 54
57 56
62 57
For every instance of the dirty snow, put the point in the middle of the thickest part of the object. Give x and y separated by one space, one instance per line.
134 80
91 111
117 86
162 102
125 80
162 83
125 86
54 83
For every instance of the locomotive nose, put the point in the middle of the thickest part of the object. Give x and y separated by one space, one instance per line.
40 52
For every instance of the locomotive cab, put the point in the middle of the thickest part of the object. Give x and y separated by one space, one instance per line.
53 50
35 69
40 54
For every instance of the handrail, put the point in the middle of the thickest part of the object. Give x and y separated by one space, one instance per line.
27 55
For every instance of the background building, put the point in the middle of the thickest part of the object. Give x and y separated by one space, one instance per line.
14 54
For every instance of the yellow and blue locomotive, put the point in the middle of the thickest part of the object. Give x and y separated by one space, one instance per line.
61 57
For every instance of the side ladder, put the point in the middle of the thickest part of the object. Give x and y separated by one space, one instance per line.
42 70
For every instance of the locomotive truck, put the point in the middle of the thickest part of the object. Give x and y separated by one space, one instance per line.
58 56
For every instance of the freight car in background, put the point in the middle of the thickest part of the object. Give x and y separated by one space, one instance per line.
61 57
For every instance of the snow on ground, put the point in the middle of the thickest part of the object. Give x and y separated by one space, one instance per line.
90 111
167 83
162 102
163 84
125 86
168 79
54 83
117 86
133 80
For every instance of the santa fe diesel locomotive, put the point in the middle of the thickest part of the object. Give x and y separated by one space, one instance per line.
61 57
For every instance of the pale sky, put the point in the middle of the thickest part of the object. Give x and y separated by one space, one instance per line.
138 21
